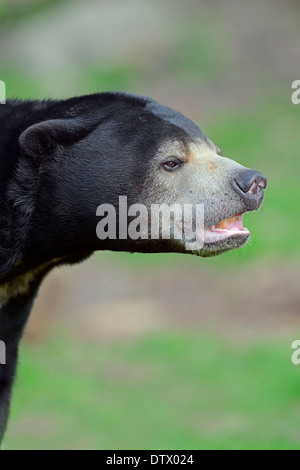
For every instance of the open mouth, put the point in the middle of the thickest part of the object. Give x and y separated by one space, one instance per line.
232 227
216 239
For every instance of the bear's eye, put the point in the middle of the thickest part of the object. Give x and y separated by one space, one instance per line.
172 164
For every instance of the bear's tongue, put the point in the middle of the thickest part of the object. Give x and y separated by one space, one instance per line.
232 224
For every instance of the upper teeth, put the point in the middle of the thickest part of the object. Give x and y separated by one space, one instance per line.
222 226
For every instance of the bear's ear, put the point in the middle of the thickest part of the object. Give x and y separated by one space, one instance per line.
42 138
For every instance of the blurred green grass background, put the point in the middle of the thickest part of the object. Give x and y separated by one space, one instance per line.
186 390
168 392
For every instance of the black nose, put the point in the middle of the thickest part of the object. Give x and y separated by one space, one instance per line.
249 184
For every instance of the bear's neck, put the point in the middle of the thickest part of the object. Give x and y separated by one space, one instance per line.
15 306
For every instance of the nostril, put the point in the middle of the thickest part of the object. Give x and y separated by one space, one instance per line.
250 182
263 183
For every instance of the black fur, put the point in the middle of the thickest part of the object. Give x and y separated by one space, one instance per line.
58 161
